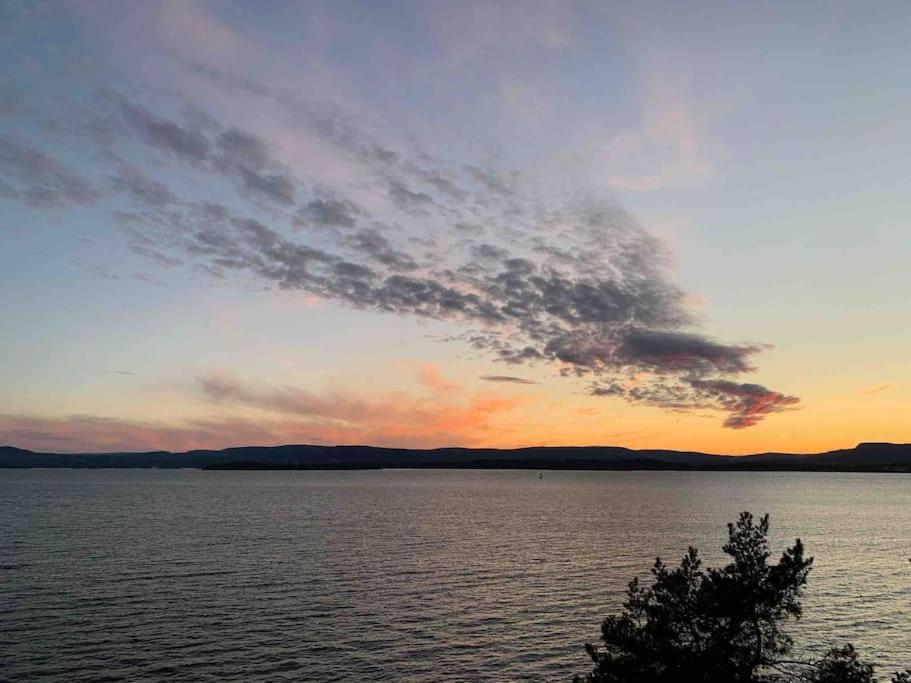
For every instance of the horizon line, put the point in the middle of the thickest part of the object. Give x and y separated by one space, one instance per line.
462 448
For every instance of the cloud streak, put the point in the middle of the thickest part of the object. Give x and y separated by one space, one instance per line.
508 379
256 413
872 391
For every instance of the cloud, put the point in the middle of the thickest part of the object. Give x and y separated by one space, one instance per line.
407 199
497 182
238 154
395 412
240 148
256 413
432 377
140 188
248 158
274 186
509 379
189 27
375 246
683 352
665 150
225 390
43 182
191 145
877 389
330 212
447 416
530 276
746 403
472 424
594 296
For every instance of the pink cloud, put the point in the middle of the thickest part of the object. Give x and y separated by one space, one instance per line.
432 377
246 413
191 30
390 418
470 424
286 414
665 149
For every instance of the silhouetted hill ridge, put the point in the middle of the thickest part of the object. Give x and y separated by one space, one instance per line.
870 456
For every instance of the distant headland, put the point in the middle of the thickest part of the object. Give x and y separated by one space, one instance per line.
865 457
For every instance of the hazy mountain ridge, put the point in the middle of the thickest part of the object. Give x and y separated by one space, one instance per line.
863 457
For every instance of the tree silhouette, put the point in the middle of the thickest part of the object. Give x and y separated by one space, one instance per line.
719 625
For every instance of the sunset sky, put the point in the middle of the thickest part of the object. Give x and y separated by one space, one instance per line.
471 223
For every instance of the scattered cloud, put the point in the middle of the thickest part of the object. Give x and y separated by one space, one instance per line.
238 154
530 277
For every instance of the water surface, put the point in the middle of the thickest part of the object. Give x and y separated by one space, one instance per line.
404 574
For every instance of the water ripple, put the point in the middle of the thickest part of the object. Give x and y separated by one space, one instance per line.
403 575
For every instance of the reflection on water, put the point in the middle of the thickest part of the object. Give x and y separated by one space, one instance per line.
394 574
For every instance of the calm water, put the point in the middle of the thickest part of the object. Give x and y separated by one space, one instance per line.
403 575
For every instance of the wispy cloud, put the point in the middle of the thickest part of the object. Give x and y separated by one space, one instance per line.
432 377
876 389
256 413
666 149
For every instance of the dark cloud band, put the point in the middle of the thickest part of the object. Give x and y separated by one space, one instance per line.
508 379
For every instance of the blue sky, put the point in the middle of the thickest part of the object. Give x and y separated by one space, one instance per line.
694 222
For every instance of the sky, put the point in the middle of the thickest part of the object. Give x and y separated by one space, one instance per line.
454 224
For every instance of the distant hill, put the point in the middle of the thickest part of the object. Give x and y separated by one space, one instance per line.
866 457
